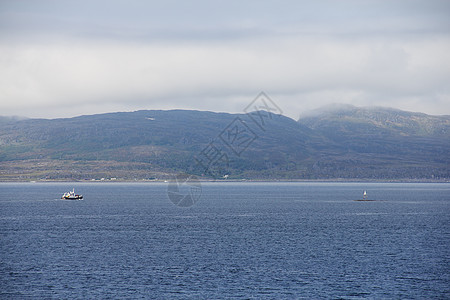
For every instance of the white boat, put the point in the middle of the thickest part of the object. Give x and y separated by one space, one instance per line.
364 197
71 196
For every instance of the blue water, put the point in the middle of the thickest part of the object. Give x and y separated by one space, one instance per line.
240 240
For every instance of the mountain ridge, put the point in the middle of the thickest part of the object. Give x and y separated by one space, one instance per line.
353 143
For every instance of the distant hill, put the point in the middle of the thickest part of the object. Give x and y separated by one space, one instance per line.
334 142
384 142
376 120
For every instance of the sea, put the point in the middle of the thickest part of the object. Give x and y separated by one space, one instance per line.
239 240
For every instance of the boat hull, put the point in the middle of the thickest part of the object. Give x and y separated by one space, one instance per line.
72 198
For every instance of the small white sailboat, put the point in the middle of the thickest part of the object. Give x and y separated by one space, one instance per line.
365 198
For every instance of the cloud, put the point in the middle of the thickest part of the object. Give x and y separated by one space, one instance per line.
218 65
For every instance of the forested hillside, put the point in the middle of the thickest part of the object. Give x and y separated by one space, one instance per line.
335 142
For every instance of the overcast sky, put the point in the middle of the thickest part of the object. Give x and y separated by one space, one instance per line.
67 58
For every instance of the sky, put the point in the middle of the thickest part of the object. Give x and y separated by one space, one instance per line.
63 58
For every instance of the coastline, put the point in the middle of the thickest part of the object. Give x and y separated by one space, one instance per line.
334 180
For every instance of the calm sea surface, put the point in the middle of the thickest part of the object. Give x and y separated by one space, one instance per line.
240 240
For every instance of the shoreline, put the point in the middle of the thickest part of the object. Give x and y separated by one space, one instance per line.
338 180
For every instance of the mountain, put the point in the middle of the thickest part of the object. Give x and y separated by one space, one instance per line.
334 142
376 120
144 144
383 142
